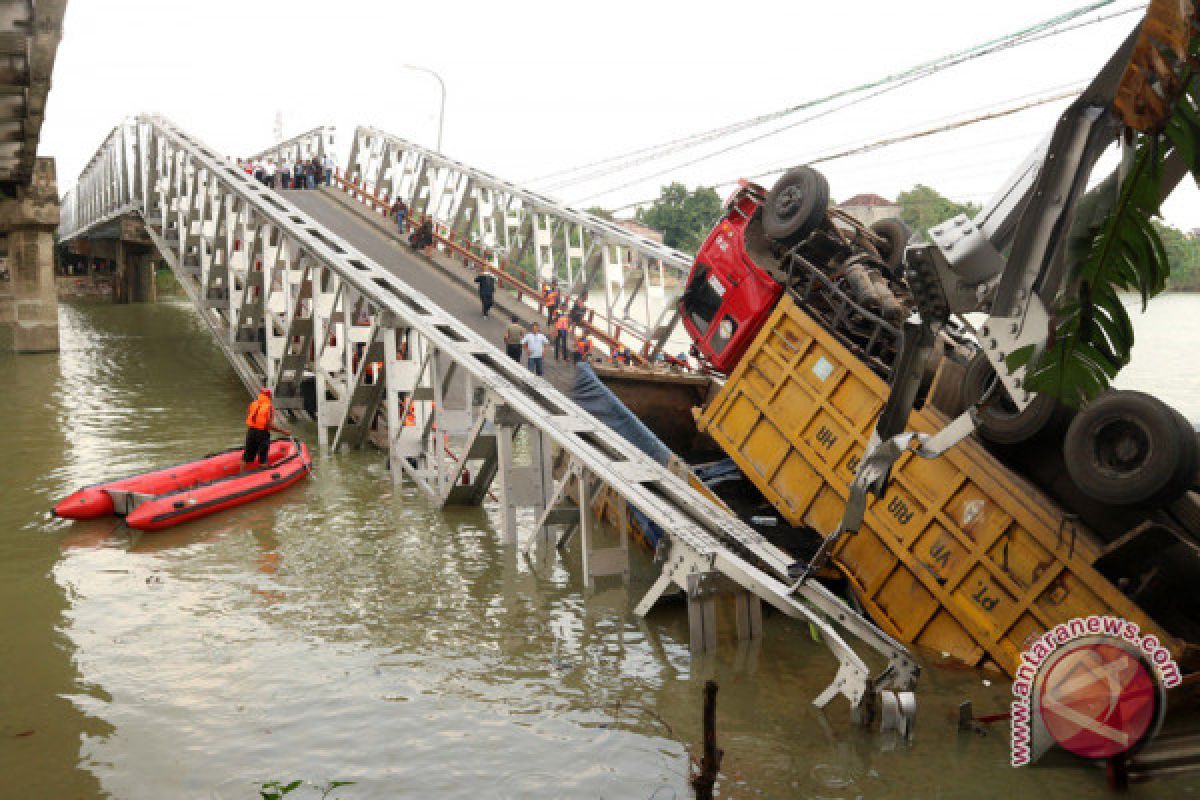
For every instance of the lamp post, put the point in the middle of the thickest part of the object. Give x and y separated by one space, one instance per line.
442 109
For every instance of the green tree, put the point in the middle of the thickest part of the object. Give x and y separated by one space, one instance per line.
922 207
684 217
1183 254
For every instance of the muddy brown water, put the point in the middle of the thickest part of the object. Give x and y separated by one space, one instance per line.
347 630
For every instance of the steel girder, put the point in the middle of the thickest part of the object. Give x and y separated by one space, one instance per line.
290 303
318 142
632 282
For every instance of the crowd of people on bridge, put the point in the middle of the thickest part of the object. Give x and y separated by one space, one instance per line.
567 323
301 173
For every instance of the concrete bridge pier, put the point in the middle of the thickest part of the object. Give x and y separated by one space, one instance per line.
134 278
124 244
28 221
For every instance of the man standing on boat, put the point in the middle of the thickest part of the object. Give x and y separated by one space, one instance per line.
260 421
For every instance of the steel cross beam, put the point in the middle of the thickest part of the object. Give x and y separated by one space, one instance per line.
531 231
295 306
317 142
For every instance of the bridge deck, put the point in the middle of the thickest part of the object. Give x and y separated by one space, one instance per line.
374 237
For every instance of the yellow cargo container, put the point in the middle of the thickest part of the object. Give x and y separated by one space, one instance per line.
961 555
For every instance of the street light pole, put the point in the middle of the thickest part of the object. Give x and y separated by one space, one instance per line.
442 110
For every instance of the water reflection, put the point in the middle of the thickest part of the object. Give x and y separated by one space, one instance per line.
347 629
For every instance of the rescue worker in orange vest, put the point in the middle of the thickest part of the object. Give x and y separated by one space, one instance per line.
583 347
621 356
260 421
562 324
550 296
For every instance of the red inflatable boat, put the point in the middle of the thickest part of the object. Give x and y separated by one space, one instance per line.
156 500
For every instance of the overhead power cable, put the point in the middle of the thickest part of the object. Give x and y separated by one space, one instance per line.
1031 33
886 142
774 132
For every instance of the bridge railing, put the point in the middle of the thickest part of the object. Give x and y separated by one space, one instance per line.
523 282
632 282
369 357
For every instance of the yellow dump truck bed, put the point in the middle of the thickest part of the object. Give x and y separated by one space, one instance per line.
961 555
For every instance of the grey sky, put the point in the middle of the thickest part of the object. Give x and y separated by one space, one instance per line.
536 86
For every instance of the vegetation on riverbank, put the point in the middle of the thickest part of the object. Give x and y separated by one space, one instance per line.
685 216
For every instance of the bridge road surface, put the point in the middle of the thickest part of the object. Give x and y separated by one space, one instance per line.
375 237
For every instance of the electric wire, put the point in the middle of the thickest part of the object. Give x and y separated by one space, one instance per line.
879 143
1051 27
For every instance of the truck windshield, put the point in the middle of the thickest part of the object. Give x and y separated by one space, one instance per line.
702 297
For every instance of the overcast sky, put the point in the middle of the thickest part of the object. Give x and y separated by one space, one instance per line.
538 86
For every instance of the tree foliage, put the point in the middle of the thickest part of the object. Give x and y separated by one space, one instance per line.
684 217
922 207
1114 246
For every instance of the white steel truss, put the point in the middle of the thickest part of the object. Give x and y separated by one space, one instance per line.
632 282
315 143
337 336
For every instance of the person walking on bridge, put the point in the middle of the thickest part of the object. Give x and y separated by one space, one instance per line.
550 296
578 312
535 348
562 324
487 290
513 335
400 212
260 421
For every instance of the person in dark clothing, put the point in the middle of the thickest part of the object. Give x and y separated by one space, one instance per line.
317 171
487 290
578 312
422 237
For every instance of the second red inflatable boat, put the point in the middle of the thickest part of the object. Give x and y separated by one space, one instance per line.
165 497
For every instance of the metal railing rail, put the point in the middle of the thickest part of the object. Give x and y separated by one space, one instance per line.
519 281
295 306
585 252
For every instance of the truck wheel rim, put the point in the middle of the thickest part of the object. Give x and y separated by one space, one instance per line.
1121 446
788 201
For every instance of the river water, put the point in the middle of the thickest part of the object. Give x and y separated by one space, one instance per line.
345 630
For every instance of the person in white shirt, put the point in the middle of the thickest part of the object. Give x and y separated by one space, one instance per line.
285 170
269 173
327 163
535 343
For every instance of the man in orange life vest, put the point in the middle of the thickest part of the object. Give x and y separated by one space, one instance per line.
259 424
583 347
562 324
550 298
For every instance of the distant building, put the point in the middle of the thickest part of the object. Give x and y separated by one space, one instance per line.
869 208
633 226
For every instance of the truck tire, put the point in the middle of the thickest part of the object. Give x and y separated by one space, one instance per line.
999 420
1129 448
795 206
896 234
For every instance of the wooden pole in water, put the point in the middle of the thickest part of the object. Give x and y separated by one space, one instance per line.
710 764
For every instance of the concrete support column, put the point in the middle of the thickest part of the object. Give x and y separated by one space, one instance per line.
29 219
145 287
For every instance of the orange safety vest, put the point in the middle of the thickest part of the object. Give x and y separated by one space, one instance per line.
562 323
621 355
550 298
584 347
259 414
